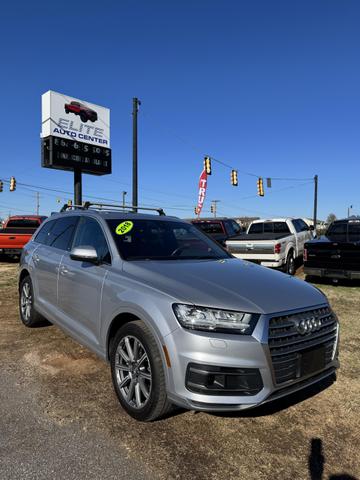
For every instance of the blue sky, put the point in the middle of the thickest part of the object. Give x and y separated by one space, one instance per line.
270 87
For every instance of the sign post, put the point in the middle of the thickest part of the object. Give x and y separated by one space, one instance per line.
75 136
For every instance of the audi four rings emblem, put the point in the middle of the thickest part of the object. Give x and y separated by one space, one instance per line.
308 325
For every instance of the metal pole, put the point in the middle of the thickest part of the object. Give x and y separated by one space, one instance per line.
37 203
215 202
77 187
136 103
315 200
123 198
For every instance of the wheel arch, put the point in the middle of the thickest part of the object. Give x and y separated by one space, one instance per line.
24 273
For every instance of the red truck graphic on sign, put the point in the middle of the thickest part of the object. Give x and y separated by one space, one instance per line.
85 112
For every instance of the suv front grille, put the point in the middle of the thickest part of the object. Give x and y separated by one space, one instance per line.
290 346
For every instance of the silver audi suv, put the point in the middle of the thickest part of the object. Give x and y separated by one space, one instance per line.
179 319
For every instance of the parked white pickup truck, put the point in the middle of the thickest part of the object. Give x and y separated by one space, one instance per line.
275 243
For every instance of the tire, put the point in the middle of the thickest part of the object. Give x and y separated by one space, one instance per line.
290 267
138 373
83 117
28 315
66 110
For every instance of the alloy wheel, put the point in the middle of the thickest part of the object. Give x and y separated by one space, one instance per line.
133 372
26 301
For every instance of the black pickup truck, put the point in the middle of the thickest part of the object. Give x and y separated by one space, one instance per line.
337 253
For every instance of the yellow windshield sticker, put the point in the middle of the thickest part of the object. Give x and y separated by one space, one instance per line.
124 227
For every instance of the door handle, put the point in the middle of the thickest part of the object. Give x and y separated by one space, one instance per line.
12 238
63 270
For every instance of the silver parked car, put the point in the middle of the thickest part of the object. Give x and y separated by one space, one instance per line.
179 319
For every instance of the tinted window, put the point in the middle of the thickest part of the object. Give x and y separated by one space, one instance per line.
43 235
297 225
163 240
338 230
210 227
23 223
354 231
61 234
269 227
89 233
281 227
256 228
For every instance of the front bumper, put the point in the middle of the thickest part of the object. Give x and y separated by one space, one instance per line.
228 351
332 273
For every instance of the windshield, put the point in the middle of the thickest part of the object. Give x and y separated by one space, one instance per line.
162 240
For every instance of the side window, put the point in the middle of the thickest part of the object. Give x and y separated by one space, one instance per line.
296 225
89 233
44 232
62 233
303 225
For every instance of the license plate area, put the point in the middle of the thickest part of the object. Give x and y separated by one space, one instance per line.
312 361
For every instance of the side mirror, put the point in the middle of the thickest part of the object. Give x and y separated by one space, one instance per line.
312 228
84 253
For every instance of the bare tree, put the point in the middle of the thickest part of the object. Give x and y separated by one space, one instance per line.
331 218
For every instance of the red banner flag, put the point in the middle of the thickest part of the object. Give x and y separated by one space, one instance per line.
202 191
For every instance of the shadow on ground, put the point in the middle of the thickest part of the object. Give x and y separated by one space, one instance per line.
316 463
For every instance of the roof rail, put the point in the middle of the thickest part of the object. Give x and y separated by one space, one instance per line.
132 208
70 207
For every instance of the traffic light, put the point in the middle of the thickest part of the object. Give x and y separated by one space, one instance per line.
260 187
212 208
69 203
268 182
195 210
234 178
1 186
12 184
207 165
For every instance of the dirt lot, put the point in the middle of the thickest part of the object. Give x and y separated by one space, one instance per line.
70 388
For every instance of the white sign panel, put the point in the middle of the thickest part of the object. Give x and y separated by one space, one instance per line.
75 119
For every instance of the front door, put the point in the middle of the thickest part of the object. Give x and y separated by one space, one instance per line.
80 283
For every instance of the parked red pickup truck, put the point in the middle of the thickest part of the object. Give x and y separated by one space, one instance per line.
16 232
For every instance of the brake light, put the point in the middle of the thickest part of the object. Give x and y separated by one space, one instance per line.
305 255
277 248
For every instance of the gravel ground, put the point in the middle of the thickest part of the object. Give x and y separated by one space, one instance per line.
60 418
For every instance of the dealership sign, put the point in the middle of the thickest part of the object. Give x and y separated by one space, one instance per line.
202 191
75 134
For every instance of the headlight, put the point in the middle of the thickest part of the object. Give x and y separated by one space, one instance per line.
211 319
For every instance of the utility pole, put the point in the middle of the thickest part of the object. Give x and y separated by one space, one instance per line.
123 197
315 200
37 203
136 103
214 205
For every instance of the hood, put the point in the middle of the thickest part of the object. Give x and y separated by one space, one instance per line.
231 284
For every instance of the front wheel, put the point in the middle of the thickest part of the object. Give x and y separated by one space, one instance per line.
83 117
137 372
290 264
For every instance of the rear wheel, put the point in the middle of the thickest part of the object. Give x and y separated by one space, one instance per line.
29 316
138 373
83 117
290 267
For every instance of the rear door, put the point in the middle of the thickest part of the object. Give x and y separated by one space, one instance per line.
55 239
80 283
